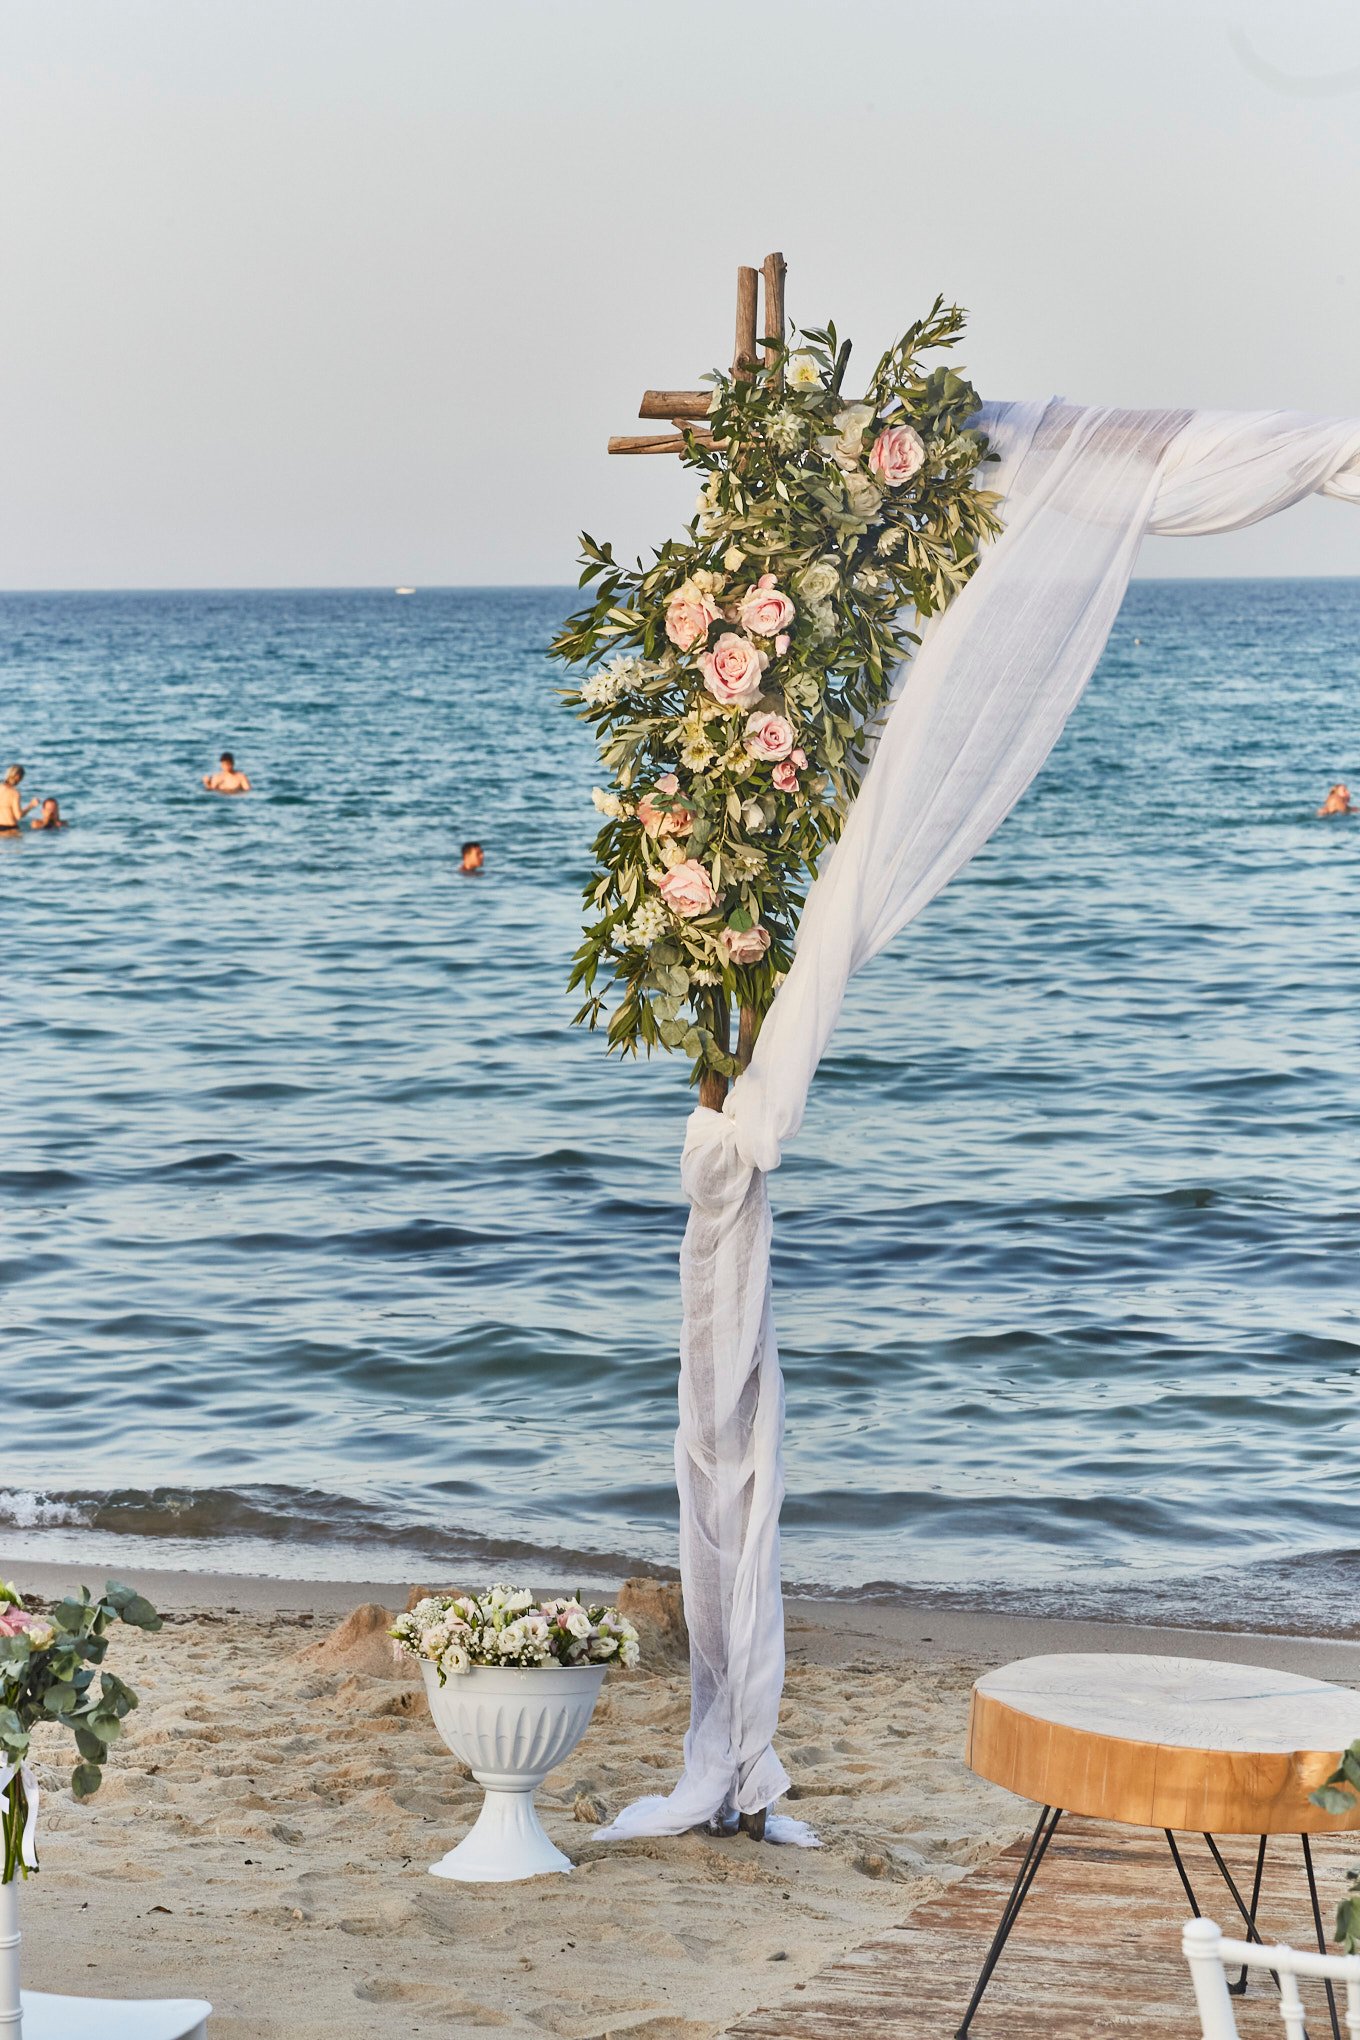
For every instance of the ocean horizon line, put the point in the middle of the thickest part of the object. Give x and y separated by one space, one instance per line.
569 587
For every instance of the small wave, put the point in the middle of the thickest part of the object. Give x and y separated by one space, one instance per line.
21 1509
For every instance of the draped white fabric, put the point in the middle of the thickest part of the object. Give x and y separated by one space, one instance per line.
984 701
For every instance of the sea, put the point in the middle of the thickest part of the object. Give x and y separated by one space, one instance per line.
330 1248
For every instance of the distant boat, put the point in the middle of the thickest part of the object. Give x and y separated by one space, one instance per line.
403 591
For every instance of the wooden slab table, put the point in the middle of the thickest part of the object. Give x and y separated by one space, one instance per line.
1181 1744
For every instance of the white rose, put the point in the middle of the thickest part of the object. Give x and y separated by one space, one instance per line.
753 818
865 499
846 444
819 580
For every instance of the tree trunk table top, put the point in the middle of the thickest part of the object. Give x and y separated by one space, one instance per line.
1185 1743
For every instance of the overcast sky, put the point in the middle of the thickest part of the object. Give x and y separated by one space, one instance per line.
328 292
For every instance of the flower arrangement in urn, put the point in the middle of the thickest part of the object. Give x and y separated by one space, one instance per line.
731 683
48 1668
509 1626
511 1681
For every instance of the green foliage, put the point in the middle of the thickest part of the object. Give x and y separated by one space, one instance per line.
860 550
48 1675
1340 1794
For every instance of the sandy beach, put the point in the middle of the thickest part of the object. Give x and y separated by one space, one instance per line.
262 1837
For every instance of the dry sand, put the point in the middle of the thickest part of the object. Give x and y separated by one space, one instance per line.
263 1835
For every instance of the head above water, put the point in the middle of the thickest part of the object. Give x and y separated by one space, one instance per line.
49 810
227 760
14 775
473 857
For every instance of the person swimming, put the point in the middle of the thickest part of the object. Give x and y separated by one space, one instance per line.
474 857
12 810
1338 802
48 816
226 779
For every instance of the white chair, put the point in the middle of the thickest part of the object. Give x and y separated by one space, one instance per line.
82 2018
1210 1956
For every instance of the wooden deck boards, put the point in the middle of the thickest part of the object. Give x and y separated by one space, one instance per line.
1096 1950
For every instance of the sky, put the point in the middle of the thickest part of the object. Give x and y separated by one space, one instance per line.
353 292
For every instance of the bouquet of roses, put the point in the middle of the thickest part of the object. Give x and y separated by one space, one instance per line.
47 1674
732 684
509 1626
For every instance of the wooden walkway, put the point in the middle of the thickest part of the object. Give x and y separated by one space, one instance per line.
1096 1950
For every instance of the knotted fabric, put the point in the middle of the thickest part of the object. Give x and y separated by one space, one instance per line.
978 709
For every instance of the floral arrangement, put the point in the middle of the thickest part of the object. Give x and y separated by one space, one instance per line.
47 1674
732 683
509 1626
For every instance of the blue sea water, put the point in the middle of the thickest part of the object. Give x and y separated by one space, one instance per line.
328 1245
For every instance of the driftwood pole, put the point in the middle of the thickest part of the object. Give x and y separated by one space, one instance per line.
681 406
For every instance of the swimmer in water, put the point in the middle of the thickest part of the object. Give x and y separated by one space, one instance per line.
473 857
1338 802
227 779
12 810
48 816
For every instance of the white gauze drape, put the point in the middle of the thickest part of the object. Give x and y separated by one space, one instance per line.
983 702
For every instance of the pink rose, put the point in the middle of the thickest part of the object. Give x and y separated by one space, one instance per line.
687 889
769 736
781 644
785 776
800 759
14 1620
732 670
688 616
896 454
669 818
745 945
764 610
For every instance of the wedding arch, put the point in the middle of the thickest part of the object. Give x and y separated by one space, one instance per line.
1013 609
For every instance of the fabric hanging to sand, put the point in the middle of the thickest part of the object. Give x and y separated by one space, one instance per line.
981 705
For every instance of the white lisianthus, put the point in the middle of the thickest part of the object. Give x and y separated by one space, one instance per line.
629 1652
802 373
846 444
455 1661
576 1620
734 559
608 804
753 818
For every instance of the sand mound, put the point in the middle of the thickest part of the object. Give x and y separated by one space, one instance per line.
360 1644
657 1611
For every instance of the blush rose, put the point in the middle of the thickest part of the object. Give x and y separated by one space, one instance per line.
765 610
688 616
896 455
745 945
769 736
687 889
732 670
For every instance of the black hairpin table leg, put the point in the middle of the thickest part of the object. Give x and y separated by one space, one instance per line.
1045 1829
1321 1936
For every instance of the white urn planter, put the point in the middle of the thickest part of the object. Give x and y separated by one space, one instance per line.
510 1727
